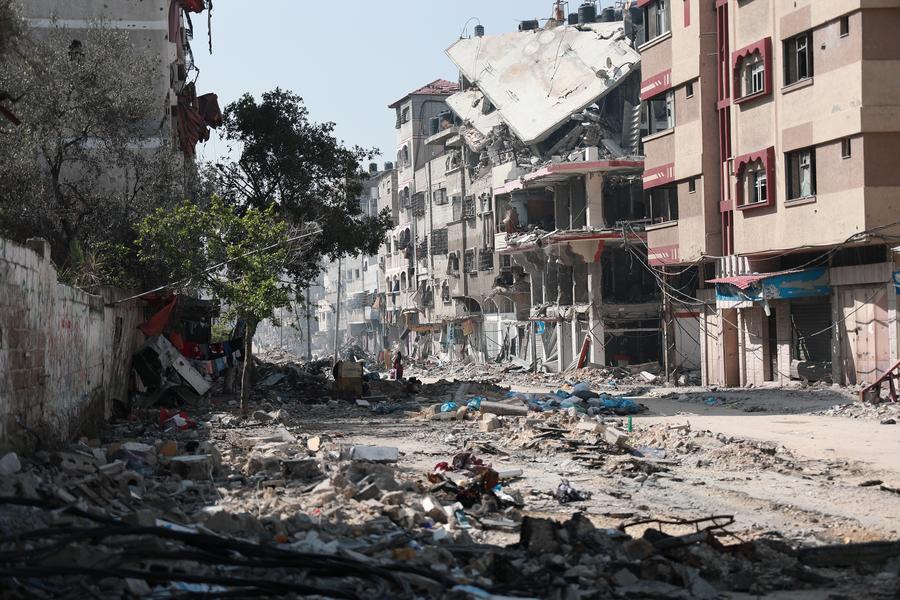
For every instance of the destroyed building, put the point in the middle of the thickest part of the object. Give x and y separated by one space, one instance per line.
163 29
550 120
770 150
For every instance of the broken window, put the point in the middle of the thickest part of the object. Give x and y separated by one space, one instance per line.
798 59
418 204
469 262
439 241
753 76
445 292
468 211
486 260
663 204
457 208
656 19
440 197
756 183
801 174
453 264
658 113
404 115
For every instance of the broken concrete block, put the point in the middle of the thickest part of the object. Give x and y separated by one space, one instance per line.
590 427
434 409
369 492
648 377
434 509
306 468
638 549
196 466
393 498
499 408
509 473
371 453
614 436
490 422
313 444
461 413
10 464
73 462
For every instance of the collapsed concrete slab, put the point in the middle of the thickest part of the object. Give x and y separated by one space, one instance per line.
538 79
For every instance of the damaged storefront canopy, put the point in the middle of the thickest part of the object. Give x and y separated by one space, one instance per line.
538 79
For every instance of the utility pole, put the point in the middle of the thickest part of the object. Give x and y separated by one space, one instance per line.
337 311
308 328
667 331
534 346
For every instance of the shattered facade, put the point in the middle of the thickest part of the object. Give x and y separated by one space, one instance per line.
768 150
549 119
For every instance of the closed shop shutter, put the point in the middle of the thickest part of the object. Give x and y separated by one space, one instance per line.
809 319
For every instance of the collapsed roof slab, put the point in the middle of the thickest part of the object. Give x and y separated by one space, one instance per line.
469 107
538 79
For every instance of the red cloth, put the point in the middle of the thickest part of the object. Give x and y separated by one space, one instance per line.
197 6
160 320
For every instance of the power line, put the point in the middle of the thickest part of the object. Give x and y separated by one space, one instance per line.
220 265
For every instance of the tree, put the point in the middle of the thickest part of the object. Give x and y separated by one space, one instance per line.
238 257
91 156
299 167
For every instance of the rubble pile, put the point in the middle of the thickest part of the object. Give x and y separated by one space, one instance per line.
886 413
168 504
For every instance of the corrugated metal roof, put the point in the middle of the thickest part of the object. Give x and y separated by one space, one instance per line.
538 79
438 87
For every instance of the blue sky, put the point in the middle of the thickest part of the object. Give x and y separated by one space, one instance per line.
348 59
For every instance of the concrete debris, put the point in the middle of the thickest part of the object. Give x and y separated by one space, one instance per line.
311 505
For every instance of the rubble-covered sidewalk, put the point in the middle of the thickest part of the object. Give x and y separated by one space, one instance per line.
441 490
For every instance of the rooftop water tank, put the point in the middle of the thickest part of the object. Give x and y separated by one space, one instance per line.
479 31
587 13
529 25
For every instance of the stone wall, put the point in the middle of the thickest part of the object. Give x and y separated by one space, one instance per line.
65 355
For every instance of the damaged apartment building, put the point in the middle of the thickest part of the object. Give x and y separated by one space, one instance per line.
520 211
565 166
772 152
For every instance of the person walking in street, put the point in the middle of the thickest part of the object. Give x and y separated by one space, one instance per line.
398 365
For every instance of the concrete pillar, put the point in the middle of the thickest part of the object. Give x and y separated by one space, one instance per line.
595 322
564 344
783 343
837 336
593 187
892 320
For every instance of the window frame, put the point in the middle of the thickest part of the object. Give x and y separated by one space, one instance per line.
689 89
844 26
746 164
668 98
668 202
791 54
757 53
847 148
794 167
653 14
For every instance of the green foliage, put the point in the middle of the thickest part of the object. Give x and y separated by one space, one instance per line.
189 239
78 171
299 167
99 264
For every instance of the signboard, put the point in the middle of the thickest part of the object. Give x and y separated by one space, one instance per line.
539 327
897 281
811 283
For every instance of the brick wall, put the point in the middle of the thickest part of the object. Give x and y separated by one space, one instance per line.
65 355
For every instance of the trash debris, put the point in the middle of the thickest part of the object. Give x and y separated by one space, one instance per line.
565 493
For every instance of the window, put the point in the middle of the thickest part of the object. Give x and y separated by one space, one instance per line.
440 197
656 19
404 115
662 202
689 90
692 185
453 264
469 266
457 208
658 113
845 26
846 148
754 76
801 174
798 59
756 184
